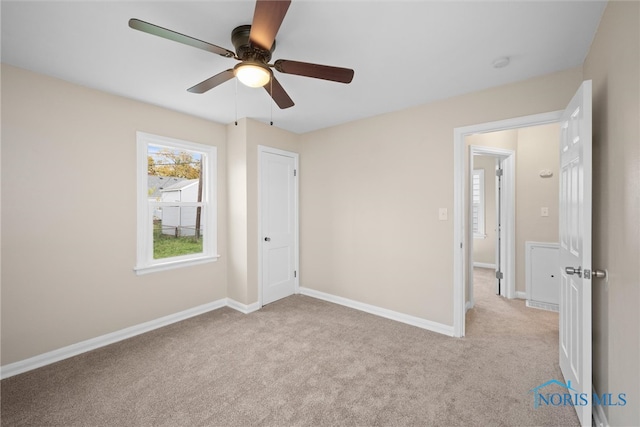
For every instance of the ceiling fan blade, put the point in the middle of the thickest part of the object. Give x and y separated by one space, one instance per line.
279 95
267 19
155 30
212 82
325 72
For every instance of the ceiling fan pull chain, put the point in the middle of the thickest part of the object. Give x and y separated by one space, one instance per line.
236 98
271 102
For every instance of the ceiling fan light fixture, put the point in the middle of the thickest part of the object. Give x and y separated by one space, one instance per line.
252 74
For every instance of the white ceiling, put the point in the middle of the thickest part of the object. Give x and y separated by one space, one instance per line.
404 53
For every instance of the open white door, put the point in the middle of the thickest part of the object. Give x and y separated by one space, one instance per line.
279 212
575 247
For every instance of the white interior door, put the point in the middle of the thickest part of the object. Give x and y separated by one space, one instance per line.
575 247
278 210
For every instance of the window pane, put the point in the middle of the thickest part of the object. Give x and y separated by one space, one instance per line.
477 193
173 162
174 176
177 231
475 219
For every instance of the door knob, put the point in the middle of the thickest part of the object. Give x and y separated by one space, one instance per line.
596 274
267 239
588 274
572 270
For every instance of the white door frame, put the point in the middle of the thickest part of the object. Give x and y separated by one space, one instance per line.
508 230
460 257
264 149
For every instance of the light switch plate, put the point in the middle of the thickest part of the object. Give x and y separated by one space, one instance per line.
544 211
443 214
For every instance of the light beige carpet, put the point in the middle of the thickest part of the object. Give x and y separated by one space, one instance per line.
301 361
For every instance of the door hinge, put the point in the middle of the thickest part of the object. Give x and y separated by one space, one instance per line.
499 275
499 172
295 172
295 273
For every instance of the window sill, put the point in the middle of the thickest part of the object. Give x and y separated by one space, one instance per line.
479 236
170 265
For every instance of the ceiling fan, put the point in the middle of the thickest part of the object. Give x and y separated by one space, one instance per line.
254 45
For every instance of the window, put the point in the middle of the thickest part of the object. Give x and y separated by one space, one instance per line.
477 194
176 203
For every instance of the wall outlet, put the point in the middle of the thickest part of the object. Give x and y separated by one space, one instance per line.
442 214
544 211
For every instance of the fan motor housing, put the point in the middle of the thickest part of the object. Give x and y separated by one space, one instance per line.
245 49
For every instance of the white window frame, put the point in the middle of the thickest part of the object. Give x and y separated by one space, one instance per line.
145 262
480 232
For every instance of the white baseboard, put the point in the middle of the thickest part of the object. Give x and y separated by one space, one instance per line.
521 295
382 312
484 265
243 308
91 344
599 417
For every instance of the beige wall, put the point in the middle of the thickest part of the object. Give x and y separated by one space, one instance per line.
69 216
371 190
613 65
237 205
538 149
484 250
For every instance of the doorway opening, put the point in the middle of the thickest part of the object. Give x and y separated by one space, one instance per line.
491 217
462 256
